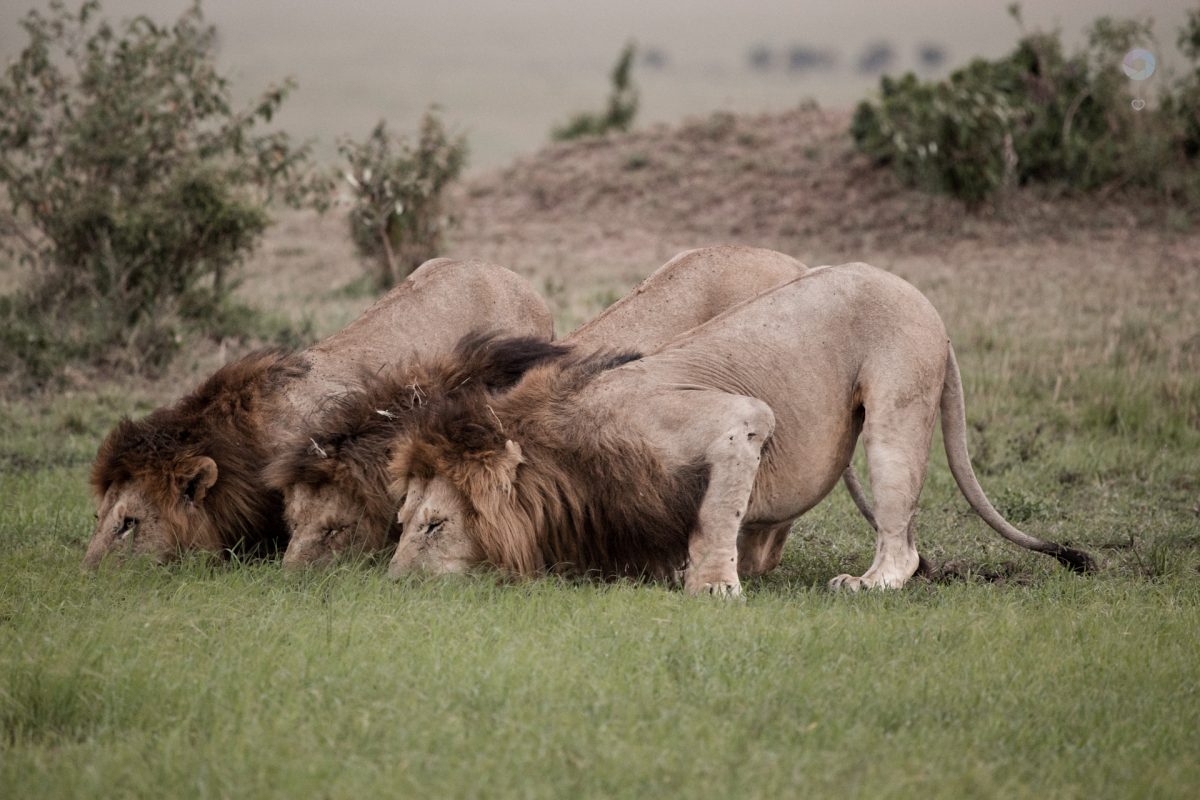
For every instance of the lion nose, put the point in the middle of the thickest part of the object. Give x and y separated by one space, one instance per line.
292 559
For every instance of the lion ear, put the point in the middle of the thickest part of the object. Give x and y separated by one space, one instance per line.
509 462
489 482
198 477
399 465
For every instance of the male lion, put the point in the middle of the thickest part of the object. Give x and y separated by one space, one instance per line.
187 477
333 476
618 465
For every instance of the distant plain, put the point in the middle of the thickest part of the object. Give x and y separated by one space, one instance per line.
506 71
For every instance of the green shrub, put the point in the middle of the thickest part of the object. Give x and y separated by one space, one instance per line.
947 137
130 179
398 218
1184 103
1038 115
621 109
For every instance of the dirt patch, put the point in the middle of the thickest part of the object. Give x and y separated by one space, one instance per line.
957 571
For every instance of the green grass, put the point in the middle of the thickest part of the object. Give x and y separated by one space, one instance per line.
1008 677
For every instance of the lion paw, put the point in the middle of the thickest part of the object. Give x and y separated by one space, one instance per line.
848 583
854 583
719 588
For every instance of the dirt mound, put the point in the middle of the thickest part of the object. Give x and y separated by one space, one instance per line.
790 180
768 178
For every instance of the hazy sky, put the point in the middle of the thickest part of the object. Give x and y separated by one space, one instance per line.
505 71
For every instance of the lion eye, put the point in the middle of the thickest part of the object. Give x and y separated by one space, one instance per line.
332 532
432 528
126 527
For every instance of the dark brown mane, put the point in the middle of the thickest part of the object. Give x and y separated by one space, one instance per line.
585 499
222 419
357 430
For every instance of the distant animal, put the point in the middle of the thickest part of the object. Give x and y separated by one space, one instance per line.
616 465
877 57
655 58
760 58
802 58
188 476
931 55
334 475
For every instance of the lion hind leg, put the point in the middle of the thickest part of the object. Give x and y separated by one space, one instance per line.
733 459
760 550
897 444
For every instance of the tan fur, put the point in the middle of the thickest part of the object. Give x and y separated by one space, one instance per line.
254 406
687 291
768 398
333 506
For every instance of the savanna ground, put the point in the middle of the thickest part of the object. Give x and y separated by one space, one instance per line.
1077 326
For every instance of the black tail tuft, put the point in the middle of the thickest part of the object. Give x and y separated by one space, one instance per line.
1075 560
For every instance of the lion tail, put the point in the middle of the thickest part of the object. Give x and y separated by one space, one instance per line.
859 496
954 435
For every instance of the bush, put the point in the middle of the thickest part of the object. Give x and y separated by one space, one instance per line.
131 181
943 137
1034 116
1184 103
397 219
622 105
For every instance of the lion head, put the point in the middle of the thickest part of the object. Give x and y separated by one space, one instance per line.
457 514
186 477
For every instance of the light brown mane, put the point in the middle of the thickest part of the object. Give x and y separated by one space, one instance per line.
582 500
222 419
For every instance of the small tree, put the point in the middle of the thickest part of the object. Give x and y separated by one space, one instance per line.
622 104
130 179
398 218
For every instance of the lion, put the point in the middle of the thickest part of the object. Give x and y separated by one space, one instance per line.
188 476
614 465
334 477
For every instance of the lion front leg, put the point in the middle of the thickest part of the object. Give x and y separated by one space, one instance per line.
733 459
